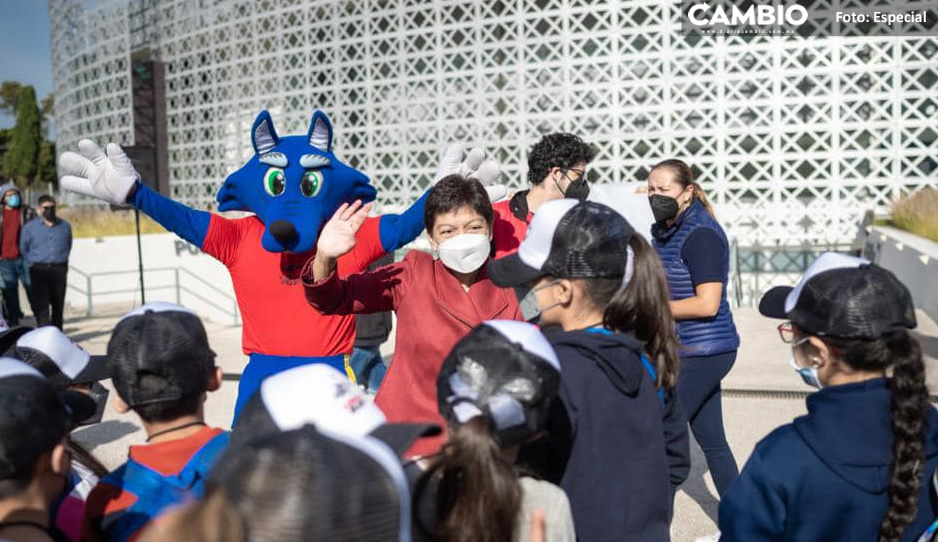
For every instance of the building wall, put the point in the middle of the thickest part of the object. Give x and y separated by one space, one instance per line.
794 138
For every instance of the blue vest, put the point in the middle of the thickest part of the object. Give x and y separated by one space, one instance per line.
156 492
700 336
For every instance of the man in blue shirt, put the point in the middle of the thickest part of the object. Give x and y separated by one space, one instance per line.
45 244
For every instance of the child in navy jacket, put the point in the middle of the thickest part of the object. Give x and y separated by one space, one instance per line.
854 468
618 441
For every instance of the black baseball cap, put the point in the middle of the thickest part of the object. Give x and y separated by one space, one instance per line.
568 239
311 484
321 395
843 296
34 416
59 359
505 371
159 353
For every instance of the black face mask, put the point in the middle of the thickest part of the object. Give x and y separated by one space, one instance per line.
578 190
664 208
49 213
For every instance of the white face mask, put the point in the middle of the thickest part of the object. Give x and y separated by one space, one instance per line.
464 253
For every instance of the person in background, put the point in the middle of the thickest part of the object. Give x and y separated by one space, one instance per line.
495 390
556 169
162 368
856 467
437 298
696 257
12 268
617 443
34 462
45 244
371 331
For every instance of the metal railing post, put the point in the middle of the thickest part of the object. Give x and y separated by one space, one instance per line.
88 290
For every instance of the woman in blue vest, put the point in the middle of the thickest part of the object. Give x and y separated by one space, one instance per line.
696 258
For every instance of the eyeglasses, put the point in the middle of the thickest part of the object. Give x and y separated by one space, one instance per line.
787 332
581 174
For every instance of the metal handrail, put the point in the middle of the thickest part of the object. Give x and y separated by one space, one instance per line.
89 292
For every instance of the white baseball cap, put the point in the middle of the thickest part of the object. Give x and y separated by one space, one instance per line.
320 395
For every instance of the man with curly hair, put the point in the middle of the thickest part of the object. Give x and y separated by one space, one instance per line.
556 169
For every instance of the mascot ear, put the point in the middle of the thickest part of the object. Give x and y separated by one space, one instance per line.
263 136
227 198
320 132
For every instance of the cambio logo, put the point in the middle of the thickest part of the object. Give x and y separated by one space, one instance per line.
754 15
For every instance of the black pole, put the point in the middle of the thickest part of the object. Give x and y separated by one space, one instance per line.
143 295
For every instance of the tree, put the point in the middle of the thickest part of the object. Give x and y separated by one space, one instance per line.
9 94
46 171
47 106
22 159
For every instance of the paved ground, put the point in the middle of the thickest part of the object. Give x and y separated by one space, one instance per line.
762 365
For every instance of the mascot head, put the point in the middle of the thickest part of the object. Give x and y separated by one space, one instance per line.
294 184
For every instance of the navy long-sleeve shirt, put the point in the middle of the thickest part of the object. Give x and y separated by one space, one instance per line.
40 243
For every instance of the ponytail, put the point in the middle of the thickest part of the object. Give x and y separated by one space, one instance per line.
684 176
910 403
82 456
479 496
701 196
643 308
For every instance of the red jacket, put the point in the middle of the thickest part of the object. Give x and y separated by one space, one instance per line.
508 229
433 313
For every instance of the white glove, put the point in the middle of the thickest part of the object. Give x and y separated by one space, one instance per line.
453 161
92 173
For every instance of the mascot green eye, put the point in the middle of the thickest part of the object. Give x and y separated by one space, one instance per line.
311 183
275 181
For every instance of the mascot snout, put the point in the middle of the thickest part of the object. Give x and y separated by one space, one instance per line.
283 231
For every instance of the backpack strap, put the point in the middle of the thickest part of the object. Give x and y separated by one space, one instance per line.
192 477
649 366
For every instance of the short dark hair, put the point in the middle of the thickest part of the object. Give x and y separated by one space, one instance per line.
169 410
13 486
453 192
557 150
44 198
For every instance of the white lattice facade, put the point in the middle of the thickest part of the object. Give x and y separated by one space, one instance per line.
795 138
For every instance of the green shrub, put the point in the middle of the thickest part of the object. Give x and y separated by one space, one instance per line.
918 213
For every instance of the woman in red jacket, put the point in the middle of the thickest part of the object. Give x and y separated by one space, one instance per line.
438 298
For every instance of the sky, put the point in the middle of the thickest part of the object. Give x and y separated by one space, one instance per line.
25 47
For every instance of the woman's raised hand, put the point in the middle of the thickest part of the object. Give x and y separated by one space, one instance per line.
338 235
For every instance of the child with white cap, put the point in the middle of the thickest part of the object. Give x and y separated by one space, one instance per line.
855 467
618 441
67 366
162 368
34 420
495 390
300 485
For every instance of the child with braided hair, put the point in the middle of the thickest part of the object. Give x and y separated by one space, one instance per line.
854 468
